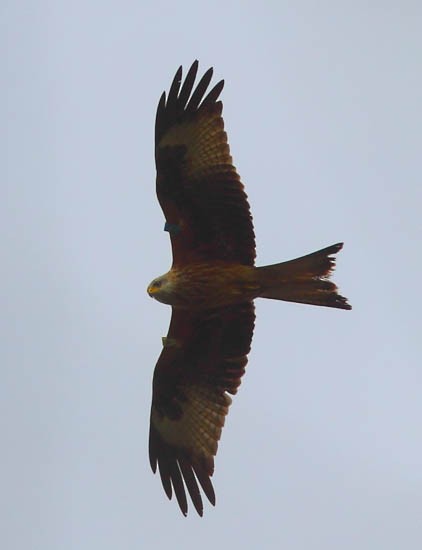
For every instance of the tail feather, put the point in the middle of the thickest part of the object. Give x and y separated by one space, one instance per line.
303 280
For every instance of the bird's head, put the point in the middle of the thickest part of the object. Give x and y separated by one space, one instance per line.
160 289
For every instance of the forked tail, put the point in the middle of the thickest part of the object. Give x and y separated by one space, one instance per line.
303 280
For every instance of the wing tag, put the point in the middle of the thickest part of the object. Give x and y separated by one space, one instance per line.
172 228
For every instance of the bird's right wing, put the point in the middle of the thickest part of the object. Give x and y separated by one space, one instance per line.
203 359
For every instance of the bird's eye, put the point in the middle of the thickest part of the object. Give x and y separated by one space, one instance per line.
157 284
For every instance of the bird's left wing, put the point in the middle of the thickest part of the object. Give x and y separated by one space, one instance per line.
203 359
203 200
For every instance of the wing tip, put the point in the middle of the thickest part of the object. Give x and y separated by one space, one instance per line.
180 473
184 97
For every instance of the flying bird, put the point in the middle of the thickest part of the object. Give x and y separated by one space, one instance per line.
211 286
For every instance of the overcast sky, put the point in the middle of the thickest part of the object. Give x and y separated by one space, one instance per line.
322 103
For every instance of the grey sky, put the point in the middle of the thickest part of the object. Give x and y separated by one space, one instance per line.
322 104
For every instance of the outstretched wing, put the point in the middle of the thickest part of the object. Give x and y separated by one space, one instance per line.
203 359
199 190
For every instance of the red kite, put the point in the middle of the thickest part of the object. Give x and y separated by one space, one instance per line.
211 286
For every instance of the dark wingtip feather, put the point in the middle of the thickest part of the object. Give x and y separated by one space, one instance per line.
200 90
214 93
188 84
178 486
160 112
174 89
191 484
164 468
203 475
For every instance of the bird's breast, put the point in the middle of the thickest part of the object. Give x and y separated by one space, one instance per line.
204 286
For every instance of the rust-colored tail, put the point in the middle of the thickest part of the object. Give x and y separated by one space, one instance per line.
303 280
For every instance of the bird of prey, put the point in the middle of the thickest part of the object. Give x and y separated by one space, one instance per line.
211 286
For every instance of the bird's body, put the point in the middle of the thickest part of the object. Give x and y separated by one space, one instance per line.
203 286
211 286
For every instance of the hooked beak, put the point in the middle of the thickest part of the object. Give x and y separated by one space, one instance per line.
153 290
